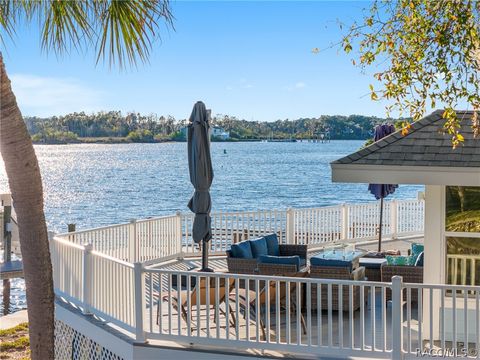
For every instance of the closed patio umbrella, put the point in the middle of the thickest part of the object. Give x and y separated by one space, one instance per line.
201 176
381 191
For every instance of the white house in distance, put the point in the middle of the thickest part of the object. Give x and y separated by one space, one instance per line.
220 133
452 205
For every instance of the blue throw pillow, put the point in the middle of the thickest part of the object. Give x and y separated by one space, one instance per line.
286 260
272 244
419 261
242 250
259 247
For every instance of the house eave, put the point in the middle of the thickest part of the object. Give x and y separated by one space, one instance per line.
388 174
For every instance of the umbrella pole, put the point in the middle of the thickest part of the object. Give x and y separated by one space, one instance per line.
380 226
205 267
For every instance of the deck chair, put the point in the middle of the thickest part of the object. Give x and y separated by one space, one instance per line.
198 297
272 293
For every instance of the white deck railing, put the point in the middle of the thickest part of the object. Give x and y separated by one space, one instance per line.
166 237
158 304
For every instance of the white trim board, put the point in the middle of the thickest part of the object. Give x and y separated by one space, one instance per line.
390 174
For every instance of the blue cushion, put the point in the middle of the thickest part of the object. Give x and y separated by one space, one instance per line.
419 261
287 260
242 250
320 261
259 247
272 244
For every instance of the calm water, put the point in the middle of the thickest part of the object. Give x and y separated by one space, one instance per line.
94 185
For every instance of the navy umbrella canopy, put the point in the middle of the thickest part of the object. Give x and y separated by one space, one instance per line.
381 191
201 177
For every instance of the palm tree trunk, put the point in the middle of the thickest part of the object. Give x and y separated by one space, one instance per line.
25 184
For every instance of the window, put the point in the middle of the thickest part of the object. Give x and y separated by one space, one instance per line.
462 227
462 209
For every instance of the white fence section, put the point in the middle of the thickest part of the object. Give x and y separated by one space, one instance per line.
232 227
97 283
67 260
166 237
264 312
408 216
113 240
157 238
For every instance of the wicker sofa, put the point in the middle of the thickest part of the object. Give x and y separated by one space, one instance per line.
409 273
246 265
411 270
340 273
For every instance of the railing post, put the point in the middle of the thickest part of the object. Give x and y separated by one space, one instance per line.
87 278
397 318
139 286
344 230
393 218
179 235
290 226
132 241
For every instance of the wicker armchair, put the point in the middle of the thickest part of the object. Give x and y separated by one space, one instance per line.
340 273
280 269
250 266
409 273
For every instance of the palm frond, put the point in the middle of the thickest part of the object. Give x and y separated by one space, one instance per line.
8 16
122 31
129 28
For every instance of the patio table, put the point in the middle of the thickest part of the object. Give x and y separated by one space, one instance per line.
338 256
373 267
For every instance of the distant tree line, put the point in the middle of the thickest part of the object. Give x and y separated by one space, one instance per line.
135 127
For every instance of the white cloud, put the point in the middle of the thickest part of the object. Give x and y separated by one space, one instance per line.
244 84
297 86
46 96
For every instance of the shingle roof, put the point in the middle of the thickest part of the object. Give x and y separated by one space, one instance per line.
424 145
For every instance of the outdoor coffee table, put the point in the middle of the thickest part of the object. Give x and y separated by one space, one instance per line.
373 267
340 256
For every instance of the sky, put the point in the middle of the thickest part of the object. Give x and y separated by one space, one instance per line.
252 60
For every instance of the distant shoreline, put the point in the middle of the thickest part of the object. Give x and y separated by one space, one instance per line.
124 140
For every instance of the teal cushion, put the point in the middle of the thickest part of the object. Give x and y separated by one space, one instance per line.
419 261
321 261
272 244
259 247
286 260
400 260
417 249
242 250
